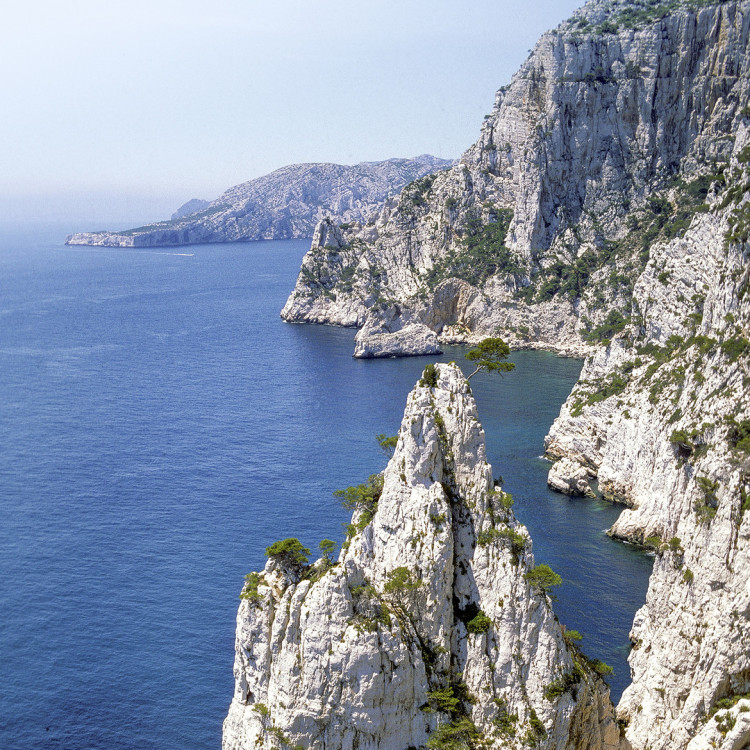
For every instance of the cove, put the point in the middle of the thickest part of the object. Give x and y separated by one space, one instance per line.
161 427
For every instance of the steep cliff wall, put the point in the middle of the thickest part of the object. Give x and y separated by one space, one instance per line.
604 141
662 418
429 627
285 204
604 211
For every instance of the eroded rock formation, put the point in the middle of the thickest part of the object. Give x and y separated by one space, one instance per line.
433 620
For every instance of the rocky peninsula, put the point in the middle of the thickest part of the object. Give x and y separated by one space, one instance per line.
433 626
285 204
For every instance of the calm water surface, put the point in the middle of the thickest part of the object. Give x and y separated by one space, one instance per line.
159 427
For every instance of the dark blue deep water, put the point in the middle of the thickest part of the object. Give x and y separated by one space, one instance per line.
159 427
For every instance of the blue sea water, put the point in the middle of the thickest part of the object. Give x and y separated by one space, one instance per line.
159 427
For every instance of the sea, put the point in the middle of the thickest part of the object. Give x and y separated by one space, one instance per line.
160 426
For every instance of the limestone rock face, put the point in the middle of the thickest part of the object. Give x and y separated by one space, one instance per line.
285 204
730 731
429 598
660 416
604 212
570 478
394 335
537 233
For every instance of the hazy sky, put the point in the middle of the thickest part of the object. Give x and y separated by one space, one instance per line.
136 106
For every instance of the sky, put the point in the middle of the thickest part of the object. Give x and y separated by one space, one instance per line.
115 110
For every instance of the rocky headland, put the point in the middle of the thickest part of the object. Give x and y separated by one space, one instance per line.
434 625
604 212
285 204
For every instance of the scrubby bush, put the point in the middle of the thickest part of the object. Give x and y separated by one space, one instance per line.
290 553
250 590
543 578
400 581
479 624
429 376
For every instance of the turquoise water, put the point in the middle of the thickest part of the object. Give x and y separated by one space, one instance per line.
160 427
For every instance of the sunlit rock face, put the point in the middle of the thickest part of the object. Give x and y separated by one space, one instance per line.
603 212
430 593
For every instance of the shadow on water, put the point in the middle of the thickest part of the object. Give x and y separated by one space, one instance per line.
161 427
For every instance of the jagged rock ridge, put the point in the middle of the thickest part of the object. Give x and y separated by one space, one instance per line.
284 204
428 623
604 210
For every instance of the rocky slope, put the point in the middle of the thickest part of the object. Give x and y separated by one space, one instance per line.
284 204
604 211
432 627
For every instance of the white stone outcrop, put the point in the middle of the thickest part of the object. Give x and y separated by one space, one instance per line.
621 149
430 593
667 441
570 478
590 129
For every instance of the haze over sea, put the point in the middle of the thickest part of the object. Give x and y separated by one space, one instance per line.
160 426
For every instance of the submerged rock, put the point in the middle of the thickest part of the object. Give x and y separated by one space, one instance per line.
430 622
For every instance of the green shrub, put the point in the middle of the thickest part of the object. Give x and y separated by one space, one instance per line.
729 702
262 709
706 506
734 348
739 434
687 576
415 193
571 636
438 519
479 624
250 590
387 444
613 385
429 376
490 355
401 581
459 734
327 547
504 721
290 553
543 578
517 540
536 724
482 253
362 496
563 684
444 700
601 668
603 333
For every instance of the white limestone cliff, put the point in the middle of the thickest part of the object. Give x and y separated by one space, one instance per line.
660 417
604 212
429 622
536 233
